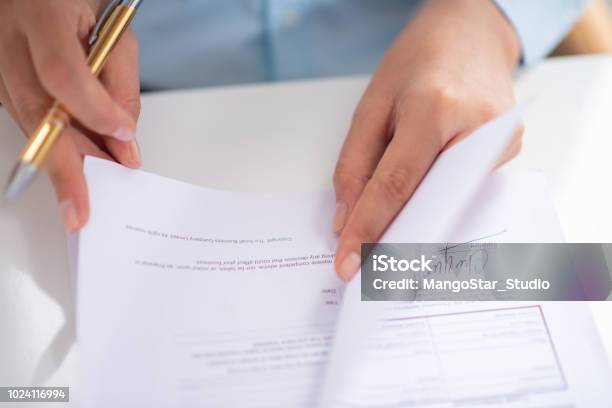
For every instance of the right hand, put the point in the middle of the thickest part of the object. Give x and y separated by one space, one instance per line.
43 58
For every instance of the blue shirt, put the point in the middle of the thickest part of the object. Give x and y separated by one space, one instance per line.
190 43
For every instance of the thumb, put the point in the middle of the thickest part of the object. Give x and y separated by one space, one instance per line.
65 169
364 146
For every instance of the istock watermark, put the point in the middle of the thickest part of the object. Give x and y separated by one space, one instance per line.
383 263
486 271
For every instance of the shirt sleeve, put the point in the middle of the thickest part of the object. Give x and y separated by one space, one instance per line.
541 24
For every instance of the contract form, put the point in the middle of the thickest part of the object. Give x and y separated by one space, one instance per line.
189 297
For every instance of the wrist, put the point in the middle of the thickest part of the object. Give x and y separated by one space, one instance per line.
506 33
477 23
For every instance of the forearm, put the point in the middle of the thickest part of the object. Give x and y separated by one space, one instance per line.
477 26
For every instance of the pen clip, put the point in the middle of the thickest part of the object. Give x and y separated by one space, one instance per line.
103 17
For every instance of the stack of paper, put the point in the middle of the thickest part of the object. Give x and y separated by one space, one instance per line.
191 297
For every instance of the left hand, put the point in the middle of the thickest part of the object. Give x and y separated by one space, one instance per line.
447 73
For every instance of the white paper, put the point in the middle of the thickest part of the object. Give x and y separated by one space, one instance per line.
487 354
150 335
157 326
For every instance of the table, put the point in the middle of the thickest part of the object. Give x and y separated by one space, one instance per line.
282 137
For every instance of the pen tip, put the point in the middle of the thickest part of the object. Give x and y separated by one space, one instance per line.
21 177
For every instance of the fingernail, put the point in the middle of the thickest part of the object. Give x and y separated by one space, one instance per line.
124 134
69 214
350 266
340 216
134 152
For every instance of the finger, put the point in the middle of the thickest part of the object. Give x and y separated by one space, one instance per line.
406 160
365 144
513 149
65 168
120 77
6 102
64 74
29 99
85 145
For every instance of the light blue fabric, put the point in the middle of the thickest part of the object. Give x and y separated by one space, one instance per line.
189 43
541 24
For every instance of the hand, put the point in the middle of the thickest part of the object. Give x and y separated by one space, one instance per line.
43 57
446 74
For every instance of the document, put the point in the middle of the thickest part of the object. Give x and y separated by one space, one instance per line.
204 298
190 297
467 353
447 354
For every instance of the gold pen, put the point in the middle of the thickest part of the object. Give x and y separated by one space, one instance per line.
108 31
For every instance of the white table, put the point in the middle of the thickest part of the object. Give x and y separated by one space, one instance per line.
278 138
